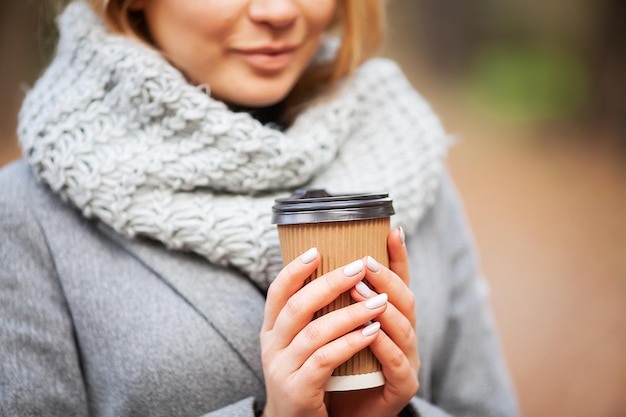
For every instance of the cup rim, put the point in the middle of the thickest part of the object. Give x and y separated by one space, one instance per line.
318 206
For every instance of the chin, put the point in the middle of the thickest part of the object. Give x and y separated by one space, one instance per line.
259 99
257 91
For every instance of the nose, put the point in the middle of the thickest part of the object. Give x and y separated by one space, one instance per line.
276 13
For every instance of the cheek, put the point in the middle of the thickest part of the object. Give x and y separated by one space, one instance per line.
321 13
189 35
330 12
180 24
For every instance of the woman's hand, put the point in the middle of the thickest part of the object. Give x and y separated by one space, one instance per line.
395 346
299 355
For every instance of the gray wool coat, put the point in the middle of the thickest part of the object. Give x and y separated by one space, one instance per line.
95 324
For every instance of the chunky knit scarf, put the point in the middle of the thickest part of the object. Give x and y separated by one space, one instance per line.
117 131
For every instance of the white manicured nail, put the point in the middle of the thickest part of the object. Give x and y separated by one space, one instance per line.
363 289
309 256
372 265
371 329
402 237
375 302
353 269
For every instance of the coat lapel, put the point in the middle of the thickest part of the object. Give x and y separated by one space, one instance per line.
228 301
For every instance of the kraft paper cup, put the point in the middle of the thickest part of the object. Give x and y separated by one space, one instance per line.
343 228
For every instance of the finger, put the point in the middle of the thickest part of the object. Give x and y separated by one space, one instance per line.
331 326
398 257
320 365
385 280
400 374
301 306
401 331
395 324
290 279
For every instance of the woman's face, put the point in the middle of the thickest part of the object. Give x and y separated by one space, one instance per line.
249 52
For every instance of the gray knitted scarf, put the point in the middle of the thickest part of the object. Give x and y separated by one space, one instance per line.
118 132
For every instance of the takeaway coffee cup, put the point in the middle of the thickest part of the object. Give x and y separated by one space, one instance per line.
343 228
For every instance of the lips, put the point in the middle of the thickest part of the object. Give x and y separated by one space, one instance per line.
267 58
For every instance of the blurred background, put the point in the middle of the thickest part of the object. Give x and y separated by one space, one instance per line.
535 93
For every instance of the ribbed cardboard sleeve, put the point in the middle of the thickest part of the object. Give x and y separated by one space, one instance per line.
340 243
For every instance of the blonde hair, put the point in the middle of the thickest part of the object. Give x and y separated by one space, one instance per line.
360 24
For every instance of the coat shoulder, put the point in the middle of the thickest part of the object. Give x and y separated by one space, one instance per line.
17 187
23 198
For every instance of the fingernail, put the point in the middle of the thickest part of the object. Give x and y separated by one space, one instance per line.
372 265
402 237
363 289
375 302
353 269
309 256
371 329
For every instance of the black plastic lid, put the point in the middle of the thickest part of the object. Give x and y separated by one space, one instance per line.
317 206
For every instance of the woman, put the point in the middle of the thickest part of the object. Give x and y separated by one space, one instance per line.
141 267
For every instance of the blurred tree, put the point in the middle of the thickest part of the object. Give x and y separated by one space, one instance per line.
450 31
607 57
531 60
21 62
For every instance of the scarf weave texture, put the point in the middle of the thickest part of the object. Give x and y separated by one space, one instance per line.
117 131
